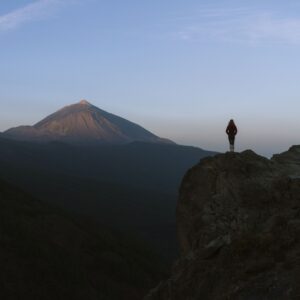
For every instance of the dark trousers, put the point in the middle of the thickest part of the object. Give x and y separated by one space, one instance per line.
231 139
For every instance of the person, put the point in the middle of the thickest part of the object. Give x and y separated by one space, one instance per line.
231 131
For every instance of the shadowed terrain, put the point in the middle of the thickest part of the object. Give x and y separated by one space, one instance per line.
47 253
108 170
130 187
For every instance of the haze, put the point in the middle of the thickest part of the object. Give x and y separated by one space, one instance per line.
181 69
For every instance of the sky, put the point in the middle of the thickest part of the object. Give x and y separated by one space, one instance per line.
181 69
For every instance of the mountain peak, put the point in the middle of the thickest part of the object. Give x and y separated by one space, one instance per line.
84 102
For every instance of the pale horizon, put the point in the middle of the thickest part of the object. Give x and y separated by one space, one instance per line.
216 139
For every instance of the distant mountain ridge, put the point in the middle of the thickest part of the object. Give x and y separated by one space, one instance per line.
83 123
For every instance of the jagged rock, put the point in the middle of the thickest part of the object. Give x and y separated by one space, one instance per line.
238 219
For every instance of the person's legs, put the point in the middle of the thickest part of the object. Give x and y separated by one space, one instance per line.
231 142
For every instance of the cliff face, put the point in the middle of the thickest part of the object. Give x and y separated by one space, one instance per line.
238 220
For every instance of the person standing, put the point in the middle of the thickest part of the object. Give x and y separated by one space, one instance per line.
231 131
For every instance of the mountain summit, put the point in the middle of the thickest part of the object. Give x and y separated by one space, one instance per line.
82 123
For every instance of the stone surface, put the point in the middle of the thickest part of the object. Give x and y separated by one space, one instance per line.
238 219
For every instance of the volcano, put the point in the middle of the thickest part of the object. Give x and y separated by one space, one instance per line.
84 123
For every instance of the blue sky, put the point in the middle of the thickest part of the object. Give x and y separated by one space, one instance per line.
181 69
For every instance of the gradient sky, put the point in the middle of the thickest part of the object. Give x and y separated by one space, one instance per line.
181 69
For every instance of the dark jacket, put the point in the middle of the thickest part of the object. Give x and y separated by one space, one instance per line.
231 129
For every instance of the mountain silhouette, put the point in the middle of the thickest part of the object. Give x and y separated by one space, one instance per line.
84 123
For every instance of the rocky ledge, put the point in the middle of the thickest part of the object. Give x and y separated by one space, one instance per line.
238 219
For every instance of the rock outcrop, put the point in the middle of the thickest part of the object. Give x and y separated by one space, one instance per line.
238 220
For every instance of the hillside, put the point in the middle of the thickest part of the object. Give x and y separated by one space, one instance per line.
46 254
130 187
238 220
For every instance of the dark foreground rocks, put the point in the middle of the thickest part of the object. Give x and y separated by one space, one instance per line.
238 220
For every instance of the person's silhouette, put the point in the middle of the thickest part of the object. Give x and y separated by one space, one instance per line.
231 131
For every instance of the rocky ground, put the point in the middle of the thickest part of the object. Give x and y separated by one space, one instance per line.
238 218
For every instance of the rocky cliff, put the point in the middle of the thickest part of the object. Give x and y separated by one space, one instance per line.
238 218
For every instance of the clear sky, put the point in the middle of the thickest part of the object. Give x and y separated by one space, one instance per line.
181 69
